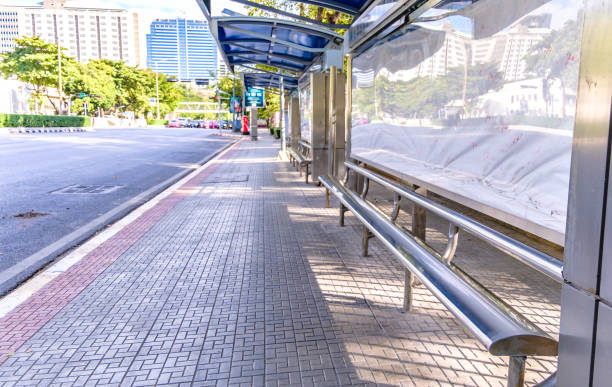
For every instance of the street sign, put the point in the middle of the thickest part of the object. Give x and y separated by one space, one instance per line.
235 105
255 97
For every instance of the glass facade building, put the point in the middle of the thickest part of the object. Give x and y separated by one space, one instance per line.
9 30
182 48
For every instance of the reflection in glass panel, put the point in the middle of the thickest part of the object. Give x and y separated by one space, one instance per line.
477 104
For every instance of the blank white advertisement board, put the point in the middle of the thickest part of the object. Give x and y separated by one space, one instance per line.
476 102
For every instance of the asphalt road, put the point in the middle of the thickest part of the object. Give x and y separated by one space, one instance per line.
53 184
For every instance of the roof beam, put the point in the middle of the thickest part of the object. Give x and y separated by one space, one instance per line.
271 39
279 66
293 15
288 76
262 52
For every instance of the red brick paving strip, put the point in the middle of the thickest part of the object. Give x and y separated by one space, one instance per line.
23 322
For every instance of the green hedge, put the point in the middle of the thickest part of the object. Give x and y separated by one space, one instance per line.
157 122
38 121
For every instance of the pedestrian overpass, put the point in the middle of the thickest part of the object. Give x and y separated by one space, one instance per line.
199 107
498 107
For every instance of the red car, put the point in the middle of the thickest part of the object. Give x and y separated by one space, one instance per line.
213 124
174 124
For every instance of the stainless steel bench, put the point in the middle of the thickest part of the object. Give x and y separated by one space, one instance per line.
500 328
298 160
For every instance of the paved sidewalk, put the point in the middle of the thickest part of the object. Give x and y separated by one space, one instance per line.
242 277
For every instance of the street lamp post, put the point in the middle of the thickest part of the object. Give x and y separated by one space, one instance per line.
59 86
232 103
157 91
157 62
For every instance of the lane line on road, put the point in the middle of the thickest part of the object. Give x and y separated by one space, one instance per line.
10 277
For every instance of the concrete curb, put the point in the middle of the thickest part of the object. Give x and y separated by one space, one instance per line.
16 274
45 130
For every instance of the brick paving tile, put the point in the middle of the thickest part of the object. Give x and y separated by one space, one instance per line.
242 277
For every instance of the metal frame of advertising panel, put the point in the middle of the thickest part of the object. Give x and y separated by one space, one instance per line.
476 106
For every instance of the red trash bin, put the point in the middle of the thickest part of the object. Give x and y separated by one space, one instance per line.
245 124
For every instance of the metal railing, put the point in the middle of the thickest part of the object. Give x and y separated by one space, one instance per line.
503 330
540 261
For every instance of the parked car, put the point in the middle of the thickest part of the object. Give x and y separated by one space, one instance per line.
224 124
183 122
200 124
174 124
213 124
362 121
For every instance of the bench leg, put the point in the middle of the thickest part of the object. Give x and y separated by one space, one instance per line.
326 198
299 168
419 223
365 238
342 211
408 290
516 371
306 174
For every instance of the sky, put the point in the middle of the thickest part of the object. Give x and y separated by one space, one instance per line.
162 8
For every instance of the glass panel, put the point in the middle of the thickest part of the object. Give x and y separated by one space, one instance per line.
477 104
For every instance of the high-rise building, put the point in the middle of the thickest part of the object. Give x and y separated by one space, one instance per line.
9 29
87 32
182 48
221 66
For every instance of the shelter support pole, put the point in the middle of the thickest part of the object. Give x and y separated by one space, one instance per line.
253 124
355 180
516 371
331 141
419 227
294 112
585 346
282 116
336 123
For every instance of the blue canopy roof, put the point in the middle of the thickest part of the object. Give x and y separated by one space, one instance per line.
283 44
269 81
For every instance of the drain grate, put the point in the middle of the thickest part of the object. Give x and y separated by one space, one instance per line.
231 178
87 189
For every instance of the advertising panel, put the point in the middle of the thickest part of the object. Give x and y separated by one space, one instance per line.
305 113
478 105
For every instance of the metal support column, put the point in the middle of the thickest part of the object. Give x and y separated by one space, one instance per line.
516 371
253 124
585 346
419 228
282 116
294 114
319 130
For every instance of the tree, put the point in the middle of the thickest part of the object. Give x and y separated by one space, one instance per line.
169 93
226 84
34 61
272 105
556 57
94 79
311 11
